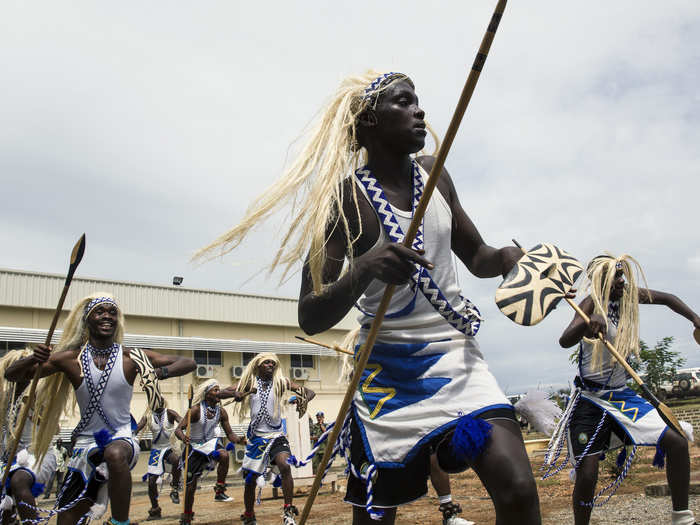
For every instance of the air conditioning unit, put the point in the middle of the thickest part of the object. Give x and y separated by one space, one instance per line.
237 372
204 371
240 454
299 374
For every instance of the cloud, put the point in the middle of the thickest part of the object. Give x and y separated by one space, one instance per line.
153 127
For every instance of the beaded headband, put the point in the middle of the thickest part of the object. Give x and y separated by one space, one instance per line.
96 302
208 388
378 82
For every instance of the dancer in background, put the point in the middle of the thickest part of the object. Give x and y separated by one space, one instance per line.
204 446
91 362
162 424
27 478
264 384
604 413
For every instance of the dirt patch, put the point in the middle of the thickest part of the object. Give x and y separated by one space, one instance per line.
629 505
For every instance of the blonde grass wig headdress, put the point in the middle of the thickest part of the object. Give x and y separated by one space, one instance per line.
314 182
54 400
347 366
248 381
201 391
8 407
600 278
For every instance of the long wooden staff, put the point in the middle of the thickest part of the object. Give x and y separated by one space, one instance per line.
190 394
324 345
663 410
366 348
75 257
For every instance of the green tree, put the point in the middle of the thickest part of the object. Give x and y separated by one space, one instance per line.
658 364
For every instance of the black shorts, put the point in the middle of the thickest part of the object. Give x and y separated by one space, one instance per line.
278 446
198 462
584 422
73 485
398 486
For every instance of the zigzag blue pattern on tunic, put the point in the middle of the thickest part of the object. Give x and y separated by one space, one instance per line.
467 324
401 385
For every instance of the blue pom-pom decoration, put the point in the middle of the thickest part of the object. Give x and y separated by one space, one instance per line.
102 438
229 446
470 437
277 482
37 488
659 457
144 477
621 457
249 476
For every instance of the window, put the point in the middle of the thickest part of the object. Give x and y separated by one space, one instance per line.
302 361
247 357
6 346
205 357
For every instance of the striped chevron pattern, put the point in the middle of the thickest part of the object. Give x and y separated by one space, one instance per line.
468 319
537 283
149 380
96 390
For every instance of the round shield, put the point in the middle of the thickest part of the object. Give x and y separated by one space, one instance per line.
536 284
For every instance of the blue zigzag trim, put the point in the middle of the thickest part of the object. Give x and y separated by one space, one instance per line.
469 323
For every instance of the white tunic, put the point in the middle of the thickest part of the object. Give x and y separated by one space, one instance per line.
161 429
115 402
609 373
423 374
204 429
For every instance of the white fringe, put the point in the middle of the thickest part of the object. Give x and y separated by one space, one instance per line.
688 429
7 503
100 506
23 458
540 411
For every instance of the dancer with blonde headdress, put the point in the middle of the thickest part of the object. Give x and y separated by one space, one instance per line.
603 413
204 446
161 423
265 386
426 387
91 363
27 476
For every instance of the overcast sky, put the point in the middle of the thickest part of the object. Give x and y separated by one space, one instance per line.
151 126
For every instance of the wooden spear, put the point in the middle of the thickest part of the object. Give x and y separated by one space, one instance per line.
190 395
366 349
75 257
324 345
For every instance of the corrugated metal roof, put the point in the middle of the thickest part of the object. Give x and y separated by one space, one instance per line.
157 342
41 290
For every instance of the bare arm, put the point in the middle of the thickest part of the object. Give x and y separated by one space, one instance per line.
481 259
671 301
182 426
310 394
24 369
141 425
173 416
170 365
578 328
232 391
232 437
390 263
